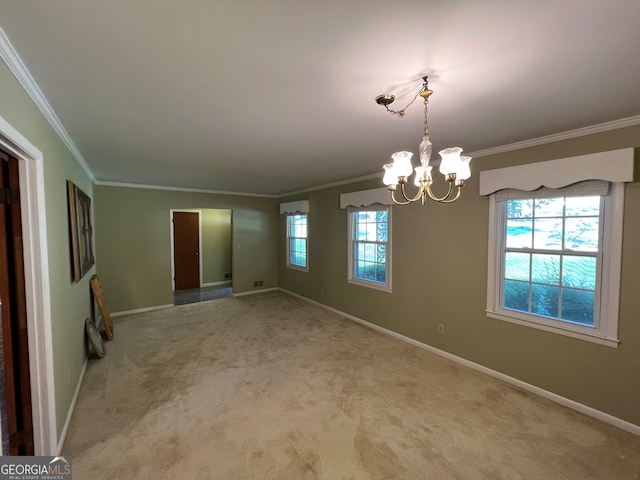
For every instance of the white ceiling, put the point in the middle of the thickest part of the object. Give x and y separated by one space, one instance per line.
275 96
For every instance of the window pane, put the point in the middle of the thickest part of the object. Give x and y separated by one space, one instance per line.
359 251
381 232
381 216
581 206
519 209
549 207
369 252
579 272
582 234
545 269
519 233
578 306
381 273
359 270
516 266
544 300
547 233
516 295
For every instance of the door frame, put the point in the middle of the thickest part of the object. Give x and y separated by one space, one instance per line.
173 265
36 267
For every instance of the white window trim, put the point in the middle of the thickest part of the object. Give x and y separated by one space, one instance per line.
607 333
350 277
289 264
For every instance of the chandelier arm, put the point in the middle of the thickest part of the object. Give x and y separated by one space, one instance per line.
444 198
458 193
418 194
393 197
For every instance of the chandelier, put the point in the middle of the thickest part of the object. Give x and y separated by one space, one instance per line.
453 166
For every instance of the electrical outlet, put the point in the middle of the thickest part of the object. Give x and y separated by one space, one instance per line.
260 283
441 328
256 283
322 291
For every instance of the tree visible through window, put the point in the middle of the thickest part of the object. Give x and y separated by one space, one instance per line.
551 257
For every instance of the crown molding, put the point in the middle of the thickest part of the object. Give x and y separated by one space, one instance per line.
19 70
181 189
334 184
557 137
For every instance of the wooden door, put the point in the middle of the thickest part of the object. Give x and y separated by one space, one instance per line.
14 313
186 250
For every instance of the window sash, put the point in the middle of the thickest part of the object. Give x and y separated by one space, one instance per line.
354 243
608 275
298 256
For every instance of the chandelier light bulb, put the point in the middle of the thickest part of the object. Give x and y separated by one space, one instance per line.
390 177
402 163
450 160
422 173
464 170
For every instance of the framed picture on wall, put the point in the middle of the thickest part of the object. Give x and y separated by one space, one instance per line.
80 231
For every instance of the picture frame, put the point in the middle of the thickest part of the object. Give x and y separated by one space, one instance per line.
80 231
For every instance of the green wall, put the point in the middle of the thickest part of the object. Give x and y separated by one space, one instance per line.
70 302
133 243
216 245
439 264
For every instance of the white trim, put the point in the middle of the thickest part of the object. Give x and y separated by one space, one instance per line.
253 292
589 411
36 266
299 206
173 266
181 189
216 284
611 166
72 407
19 70
366 198
557 137
334 184
141 310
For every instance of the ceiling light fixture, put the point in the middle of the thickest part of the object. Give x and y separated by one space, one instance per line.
453 166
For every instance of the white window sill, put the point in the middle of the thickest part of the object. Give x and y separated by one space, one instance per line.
364 283
608 342
300 269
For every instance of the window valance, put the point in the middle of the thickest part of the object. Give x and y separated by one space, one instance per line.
300 206
612 166
365 198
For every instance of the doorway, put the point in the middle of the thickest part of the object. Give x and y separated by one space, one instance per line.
17 419
201 254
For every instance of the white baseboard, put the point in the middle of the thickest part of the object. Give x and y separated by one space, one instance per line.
72 407
253 292
141 310
216 284
592 412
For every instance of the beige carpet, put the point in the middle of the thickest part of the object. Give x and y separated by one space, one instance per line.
270 387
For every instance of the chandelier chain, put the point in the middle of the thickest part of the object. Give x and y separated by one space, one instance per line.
400 113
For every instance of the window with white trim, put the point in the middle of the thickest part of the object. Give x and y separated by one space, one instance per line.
554 259
370 246
297 241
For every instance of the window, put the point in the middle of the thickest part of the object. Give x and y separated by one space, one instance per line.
297 243
556 259
370 247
